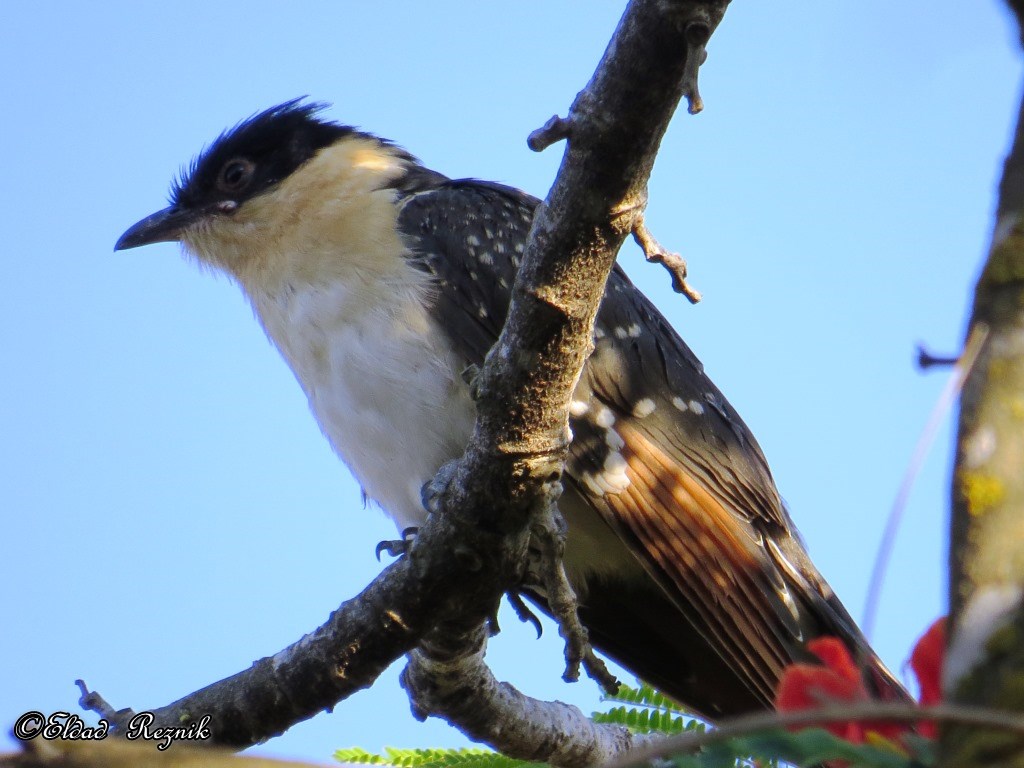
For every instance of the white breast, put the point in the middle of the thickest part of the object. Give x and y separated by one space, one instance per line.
323 262
383 385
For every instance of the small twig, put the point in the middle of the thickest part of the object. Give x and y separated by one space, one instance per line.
869 710
926 359
673 262
549 533
91 701
942 406
697 35
554 130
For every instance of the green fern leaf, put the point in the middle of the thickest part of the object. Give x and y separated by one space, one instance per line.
357 755
814 746
651 712
467 757
645 696
648 721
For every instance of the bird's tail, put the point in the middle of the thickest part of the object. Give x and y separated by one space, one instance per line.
830 617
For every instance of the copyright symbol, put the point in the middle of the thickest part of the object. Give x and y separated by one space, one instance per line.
29 725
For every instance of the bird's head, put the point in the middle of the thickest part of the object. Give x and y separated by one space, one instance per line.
272 187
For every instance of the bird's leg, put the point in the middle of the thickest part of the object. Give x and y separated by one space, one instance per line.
428 494
471 375
435 487
398 547
549 532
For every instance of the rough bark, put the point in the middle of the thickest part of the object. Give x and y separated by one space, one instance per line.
985 659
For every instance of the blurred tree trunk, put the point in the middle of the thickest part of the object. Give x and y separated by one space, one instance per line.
985 659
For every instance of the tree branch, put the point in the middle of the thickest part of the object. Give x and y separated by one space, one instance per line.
359 640
614 130
457 685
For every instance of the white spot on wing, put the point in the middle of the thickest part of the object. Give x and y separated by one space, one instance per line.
611 479
472 240
620 332
613 439
614 478
591 484
614 462
643 408
578 407
679 403
604 418
696 407
634 331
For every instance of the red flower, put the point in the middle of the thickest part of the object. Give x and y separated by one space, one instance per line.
926 661
837 680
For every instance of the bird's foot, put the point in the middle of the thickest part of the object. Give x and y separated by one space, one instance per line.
549 534
471 375
398 547
433 489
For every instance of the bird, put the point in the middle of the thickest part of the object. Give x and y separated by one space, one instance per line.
381 281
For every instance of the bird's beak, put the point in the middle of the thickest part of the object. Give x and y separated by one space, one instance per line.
161 227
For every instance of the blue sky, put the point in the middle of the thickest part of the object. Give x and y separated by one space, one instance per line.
170 511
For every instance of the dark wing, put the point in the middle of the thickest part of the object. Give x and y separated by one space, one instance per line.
657 449
695 496
470 235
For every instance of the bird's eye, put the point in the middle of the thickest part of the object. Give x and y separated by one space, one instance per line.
235 174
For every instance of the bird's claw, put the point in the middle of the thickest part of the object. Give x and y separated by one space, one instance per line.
397 547
433 489
523 612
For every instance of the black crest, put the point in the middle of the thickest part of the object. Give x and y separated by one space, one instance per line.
267 147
